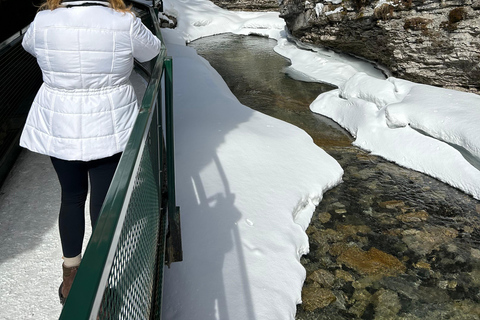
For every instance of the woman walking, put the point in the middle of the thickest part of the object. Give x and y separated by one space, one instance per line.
83 113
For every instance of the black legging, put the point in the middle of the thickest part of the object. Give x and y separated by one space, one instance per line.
73 177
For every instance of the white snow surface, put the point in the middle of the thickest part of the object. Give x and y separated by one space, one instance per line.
425 128
251 271
247 184
247 187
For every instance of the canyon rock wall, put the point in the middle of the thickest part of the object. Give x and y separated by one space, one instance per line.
426 41
248 5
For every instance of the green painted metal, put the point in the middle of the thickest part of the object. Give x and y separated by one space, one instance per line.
121 275
174 246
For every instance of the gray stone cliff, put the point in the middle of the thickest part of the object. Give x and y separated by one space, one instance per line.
248 5
426 41
435 42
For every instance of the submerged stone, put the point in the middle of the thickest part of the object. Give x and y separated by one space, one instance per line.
392 204
387 304
422 265
416 216
323 278
361 299
314 298
344 275
429 239
372 262
324 217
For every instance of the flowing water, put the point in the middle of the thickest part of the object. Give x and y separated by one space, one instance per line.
388 242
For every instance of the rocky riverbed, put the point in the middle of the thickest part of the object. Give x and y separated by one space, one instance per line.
426 41
388 242
391 243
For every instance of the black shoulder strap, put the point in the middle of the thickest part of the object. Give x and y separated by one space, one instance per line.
87 4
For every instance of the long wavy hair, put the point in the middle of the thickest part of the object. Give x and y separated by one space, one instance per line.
117 5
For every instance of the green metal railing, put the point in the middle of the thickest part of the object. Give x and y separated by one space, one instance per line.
138 231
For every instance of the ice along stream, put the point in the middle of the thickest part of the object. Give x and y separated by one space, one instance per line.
387 243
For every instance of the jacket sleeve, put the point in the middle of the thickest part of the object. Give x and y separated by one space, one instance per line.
28 41
145 44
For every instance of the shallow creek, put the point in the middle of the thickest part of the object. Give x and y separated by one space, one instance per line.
388 242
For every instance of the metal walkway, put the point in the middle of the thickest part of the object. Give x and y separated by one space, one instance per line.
138 230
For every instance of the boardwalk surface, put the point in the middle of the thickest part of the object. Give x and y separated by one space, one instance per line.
30 250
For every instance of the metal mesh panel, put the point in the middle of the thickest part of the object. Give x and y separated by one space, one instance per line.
121 275
129 287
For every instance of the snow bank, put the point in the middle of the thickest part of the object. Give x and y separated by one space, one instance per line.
421 127
247 185
202 18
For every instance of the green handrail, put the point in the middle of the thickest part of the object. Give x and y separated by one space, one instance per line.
93 294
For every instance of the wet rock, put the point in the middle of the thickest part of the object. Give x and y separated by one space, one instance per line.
433 295
452 247
422 265
417 216
366 200
353 232
344 275
372 262
393 232
247 5
392 204
324 217
331 235
360 299
338 205
429 239
363 283
386 219
475 253
387 304
475 277
443 284
403 286
340 301
314 298
452 284
468 229
323 278
432 42
338 248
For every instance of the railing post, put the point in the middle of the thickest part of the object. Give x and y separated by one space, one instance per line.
174 240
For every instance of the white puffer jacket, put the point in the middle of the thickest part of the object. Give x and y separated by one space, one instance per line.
86 107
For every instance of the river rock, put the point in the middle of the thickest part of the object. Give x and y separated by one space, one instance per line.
429 239
391 204
417 216
425 41
323 278
344 275
361 299
324 217
387 304
314 298
373 262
